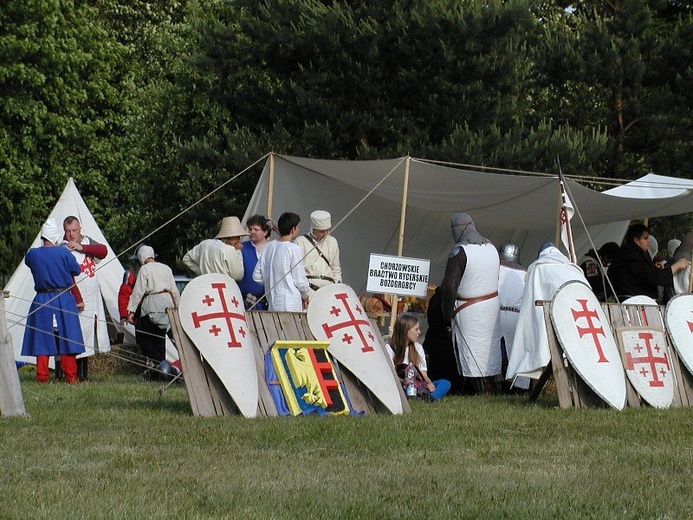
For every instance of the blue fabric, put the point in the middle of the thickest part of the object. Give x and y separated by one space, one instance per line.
275 389
247 285
52 267
442 388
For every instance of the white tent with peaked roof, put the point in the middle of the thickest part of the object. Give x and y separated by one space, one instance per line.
109 272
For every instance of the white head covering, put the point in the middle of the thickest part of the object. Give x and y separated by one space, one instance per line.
652 246
672 246
320 220
145 252
50 231
685 250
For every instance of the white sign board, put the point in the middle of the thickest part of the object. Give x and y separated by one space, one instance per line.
398 275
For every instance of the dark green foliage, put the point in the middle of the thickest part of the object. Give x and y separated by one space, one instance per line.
623 66
61 114
152 105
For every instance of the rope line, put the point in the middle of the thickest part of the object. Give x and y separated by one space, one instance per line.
363 199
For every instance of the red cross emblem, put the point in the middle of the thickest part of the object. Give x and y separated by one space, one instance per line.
354 324
593 329
650 361
88 267
336 315
226 315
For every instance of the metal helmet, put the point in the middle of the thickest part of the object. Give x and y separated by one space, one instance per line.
509 251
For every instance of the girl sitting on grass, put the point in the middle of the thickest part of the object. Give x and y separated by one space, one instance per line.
405 350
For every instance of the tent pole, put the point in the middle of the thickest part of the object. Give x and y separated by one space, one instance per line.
270 185
400 243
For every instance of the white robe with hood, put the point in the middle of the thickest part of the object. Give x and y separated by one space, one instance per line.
530 352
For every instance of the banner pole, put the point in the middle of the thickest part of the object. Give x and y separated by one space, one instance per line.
558 214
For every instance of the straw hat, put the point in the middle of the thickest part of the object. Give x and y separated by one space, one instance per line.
320 220
231 227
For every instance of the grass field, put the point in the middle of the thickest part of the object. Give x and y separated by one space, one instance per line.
116 447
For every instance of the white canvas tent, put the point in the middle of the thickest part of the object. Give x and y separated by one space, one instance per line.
653 186
366 202
109 272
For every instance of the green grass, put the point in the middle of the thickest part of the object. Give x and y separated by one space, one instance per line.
117 448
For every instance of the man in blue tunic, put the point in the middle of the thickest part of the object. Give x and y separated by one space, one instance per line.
52 327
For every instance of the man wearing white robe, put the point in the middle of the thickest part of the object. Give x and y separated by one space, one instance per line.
511 285
88 254
280 269
530 352
320 252
221 254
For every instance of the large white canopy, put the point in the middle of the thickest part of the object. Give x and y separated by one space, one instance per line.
365 199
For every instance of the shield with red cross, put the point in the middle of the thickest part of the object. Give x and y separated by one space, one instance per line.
585 335
335 314
678 318
647 364
213 316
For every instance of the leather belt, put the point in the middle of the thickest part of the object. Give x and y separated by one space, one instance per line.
52 290
319 277
470 301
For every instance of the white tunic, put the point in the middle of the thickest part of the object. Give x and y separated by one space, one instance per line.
92 319
214 256
156 290
681 280
422 366
280 270
511 285
317 267
477 326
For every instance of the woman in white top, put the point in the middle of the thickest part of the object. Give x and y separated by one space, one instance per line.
404 349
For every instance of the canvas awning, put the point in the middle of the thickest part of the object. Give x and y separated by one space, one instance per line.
365 199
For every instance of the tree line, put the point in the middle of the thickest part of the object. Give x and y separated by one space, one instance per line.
150 105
